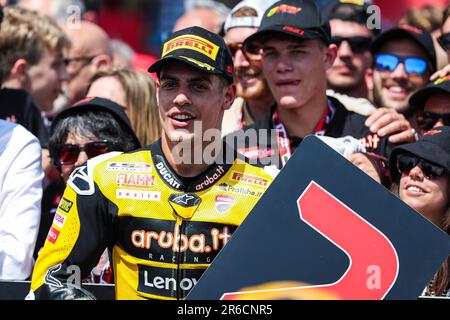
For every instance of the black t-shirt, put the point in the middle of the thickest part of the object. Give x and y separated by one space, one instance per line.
344 123
18 106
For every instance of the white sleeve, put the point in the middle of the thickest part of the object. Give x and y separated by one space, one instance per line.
21 178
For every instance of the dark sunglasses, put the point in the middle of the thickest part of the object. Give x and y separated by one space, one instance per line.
251 51
68 153
406 162
444 41
427 120
358 44
389 62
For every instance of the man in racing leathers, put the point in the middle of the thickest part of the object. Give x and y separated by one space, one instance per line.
163 219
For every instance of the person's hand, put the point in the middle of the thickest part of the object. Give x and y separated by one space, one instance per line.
389 122
440 73
362 162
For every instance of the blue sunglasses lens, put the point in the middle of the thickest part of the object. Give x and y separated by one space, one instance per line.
386 62
389 62
415 65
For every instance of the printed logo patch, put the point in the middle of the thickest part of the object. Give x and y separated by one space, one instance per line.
246 178
129 167
224 203
284 8
192 42
138 195
256 152
59 220
53 235
81 182
185 200
135 180
294 30
168 177
65 205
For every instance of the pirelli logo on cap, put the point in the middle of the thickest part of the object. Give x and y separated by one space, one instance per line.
192 42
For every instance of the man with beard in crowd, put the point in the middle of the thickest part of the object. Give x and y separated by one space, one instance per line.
404 60
253 94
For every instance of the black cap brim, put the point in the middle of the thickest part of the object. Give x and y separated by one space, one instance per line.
157 66
418 99
306 34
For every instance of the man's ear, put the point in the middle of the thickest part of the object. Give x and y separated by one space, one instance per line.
330 56
230 94
368 78
19 73
103 62
158 87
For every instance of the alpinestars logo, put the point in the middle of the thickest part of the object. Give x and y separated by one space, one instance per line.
185 200
49 279
80 182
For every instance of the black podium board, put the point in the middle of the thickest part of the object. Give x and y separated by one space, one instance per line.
326 230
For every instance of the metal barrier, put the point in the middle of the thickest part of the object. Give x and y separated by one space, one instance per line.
17 290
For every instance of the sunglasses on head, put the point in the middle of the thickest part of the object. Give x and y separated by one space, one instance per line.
358 44
251 51
406 162
69 153
427 120
444 41
389 62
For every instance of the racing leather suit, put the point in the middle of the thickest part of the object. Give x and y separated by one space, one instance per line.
163 230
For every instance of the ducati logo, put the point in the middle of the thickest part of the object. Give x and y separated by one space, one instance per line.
224 203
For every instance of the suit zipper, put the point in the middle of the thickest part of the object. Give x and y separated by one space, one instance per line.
179 256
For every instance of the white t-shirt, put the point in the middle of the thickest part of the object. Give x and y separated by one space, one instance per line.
21 177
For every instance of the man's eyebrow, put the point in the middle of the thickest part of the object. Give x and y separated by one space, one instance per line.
290 46
202 78
298 45
167 77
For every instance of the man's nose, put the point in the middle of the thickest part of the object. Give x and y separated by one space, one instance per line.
181 99
399 72
82 158
345 50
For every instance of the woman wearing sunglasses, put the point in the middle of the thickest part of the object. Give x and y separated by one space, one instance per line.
91 127
420 172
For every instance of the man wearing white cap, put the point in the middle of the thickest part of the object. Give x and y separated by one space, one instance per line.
253 94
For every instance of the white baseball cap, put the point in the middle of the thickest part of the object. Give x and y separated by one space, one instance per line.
250 22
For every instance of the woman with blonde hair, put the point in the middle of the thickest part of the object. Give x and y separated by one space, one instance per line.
136 92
